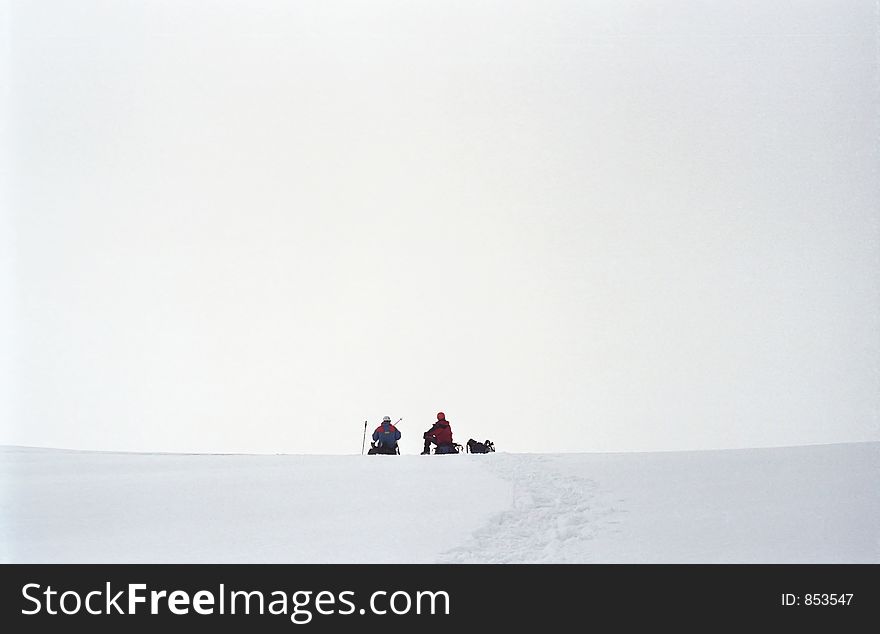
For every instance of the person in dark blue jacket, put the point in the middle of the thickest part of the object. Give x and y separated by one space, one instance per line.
385 438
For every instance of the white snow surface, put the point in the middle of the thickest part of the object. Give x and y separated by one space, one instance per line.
789 505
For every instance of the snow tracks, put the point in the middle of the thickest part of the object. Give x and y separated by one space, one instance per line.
552 519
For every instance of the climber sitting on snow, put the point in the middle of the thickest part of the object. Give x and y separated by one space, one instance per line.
385 438
441 435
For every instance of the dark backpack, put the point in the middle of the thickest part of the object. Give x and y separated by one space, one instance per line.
480 447
383 450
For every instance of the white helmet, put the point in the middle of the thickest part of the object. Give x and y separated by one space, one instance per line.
387 419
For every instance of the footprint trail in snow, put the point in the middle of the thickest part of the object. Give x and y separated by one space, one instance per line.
553 517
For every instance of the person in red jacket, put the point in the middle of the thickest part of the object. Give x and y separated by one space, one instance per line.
441 435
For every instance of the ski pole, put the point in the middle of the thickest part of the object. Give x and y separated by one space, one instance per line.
364 441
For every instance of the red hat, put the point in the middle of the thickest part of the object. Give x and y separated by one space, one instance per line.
441 416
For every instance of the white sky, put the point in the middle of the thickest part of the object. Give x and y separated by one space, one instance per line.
572 226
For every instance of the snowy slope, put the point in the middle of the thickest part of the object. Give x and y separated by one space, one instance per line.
804 504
